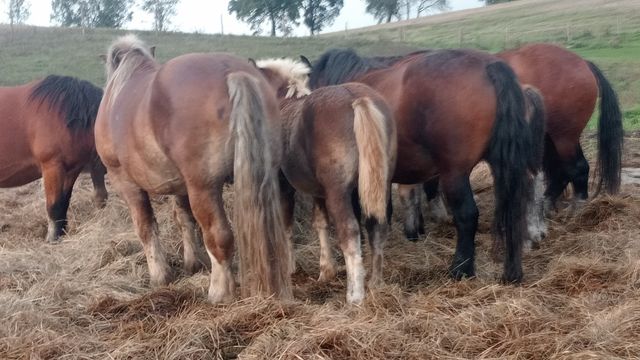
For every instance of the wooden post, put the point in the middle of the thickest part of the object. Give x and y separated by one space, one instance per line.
460 37
568 33
221 26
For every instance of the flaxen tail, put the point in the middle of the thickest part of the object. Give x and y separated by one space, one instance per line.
258 222
374 149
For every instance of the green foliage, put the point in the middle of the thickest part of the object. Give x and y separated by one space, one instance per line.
281 14
383 10
162 11
92 13
319 13
18 11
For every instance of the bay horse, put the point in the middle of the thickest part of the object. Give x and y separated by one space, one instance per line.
340 144
570 86
186 128
452 109
46 130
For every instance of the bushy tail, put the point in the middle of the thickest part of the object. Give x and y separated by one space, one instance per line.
374 153
536 116
610 135
258 221
509 155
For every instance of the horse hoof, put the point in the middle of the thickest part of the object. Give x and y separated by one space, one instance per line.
326 275
412 236
461 269
161 279
512 277
193 267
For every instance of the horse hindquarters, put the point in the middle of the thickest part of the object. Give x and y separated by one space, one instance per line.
260 230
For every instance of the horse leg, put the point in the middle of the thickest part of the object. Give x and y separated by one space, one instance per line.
57 188
146 228
97 178
459 195
579 176
287 198
377 234
193 259
555 173
410 198
341 211
536 224
437 209
208 209
321 225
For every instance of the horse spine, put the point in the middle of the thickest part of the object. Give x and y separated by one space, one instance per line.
257 215
610 135
373 162
510 155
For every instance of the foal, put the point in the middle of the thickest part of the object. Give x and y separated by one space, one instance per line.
339 142
185 128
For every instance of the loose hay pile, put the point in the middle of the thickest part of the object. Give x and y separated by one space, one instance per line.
88 296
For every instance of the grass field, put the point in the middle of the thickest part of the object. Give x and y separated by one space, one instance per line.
89 298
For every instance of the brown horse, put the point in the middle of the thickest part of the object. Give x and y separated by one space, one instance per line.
47 131
452 109
570 86
340 143
186 128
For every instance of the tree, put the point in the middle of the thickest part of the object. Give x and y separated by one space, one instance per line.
383 10
319 13
425 6
162 11
281 14
92 13
491 2
18 12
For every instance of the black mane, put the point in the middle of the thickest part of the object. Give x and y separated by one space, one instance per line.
337 66
75 100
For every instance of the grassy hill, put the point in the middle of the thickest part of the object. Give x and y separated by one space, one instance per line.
606 32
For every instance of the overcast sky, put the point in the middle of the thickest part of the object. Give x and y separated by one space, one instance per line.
205 15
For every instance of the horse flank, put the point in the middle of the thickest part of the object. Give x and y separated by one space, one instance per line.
75 100
373 148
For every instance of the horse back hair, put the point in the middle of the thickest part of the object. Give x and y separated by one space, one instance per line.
610 135
258 221
77 101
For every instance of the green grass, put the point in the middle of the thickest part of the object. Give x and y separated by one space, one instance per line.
607 34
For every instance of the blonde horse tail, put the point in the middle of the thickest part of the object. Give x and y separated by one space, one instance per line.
374 146
259 226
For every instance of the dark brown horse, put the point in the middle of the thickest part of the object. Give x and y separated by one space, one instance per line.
46 130
186 128
453 108
570 86
340 143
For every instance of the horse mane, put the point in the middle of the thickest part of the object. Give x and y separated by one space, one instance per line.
75 100
337 66
294 72
126 55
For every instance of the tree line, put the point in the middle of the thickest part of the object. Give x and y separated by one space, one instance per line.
281 15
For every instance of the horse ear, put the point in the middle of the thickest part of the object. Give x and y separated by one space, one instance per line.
103 57
253 62
306 61
153 51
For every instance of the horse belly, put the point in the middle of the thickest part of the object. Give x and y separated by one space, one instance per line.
413 166
18 174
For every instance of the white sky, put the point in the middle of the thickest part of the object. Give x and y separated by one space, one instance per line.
204 16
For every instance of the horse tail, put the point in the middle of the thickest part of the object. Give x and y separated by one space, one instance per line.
258 220
537 117
509 155
610 135
373 164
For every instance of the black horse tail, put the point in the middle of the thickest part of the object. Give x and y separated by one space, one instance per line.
536 117
510 156
610 135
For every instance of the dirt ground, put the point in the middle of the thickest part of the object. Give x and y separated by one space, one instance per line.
88 297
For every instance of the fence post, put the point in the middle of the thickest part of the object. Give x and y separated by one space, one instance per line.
568 32
460 37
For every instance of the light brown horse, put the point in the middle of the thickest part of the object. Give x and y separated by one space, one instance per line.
186 128
453 108
340 142
46 130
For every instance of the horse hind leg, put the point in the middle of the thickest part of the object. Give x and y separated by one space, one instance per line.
97 172
377 233
536 222
194 260
147 230
579 177
341 211
208 209
437 209
58 186
287 198
410 198
321 225
465 216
